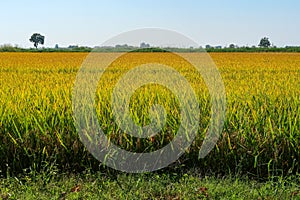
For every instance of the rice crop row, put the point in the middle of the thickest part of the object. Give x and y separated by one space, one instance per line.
261 134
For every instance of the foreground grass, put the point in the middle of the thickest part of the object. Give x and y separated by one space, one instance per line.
145 186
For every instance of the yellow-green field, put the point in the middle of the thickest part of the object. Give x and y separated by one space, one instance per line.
262 127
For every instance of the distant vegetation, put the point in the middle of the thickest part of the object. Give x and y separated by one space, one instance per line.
264 46
10 48
152 49
125 48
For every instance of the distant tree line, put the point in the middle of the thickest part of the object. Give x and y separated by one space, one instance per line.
36 38
10 48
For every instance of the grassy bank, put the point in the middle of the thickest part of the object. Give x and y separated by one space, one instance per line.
146 186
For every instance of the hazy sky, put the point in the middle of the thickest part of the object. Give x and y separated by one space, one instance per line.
91 22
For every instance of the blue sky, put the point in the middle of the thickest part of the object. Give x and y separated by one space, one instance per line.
91 22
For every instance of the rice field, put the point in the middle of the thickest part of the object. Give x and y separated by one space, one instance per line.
261 134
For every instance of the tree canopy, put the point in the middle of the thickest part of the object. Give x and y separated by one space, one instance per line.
264 42
37 39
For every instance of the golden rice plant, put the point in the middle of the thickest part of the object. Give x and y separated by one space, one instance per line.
262 127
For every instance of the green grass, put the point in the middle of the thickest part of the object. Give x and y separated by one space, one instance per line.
191 185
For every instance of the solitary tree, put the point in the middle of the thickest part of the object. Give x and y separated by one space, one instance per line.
264 42
232 46
144 45
37 39
208 46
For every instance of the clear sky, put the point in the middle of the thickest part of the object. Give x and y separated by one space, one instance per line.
91 22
